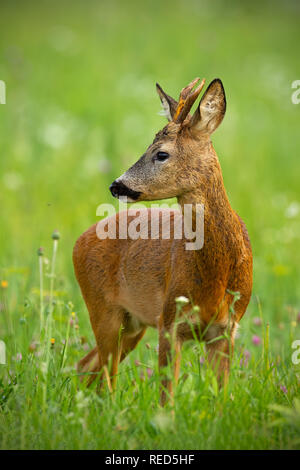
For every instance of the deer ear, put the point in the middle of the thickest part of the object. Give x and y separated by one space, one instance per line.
211 110
168 103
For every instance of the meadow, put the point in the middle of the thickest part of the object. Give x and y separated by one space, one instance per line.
81 107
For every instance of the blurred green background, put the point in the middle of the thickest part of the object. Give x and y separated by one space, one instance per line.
81 107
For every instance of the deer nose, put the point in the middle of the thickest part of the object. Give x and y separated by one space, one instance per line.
117 189
114 189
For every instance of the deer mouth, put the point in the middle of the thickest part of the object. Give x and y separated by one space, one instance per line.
121 191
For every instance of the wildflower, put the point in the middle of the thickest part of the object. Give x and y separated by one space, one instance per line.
55 235
247 353
257 321
195 309
73 314
52 341
149 372
245 358
202 360
283 388
40 251
33 346
77 327
182 300
19 357
256 340
4 284
293 324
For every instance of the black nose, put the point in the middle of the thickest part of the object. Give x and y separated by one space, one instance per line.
114 189
117 189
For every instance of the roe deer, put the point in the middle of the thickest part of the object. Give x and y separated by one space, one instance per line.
129 284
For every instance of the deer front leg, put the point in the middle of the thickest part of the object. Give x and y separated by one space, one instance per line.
164 357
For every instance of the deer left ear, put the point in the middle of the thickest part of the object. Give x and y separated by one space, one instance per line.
168 103
211 110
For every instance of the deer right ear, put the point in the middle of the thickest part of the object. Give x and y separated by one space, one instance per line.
211 110
168 103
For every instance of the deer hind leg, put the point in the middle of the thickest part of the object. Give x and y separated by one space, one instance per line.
107 326
220 353
130 342
90 362
120 347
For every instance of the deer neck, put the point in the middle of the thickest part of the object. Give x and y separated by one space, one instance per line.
220 221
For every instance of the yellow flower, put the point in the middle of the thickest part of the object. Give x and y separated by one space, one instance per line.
4 284
294 324
73 314
52 340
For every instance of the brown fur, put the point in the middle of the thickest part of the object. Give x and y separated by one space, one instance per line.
131 284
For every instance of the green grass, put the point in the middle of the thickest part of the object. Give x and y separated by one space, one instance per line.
81 108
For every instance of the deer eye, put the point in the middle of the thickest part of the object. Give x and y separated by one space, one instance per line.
162 156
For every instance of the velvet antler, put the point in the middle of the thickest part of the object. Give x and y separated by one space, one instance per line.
186 100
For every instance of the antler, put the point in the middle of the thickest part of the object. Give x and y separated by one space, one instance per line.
186 100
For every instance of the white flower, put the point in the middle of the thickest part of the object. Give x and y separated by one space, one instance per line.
182 300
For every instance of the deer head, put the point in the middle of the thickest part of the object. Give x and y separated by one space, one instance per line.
180 157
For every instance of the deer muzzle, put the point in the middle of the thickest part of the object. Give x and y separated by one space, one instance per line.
121 191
